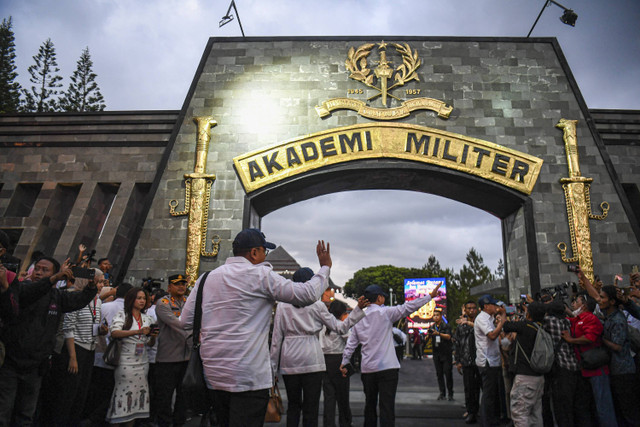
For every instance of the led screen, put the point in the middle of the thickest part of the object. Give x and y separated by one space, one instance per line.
415 288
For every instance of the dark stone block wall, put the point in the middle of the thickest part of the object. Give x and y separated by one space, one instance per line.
507 91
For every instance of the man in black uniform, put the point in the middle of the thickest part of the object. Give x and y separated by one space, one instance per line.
174 349
440 335
465 343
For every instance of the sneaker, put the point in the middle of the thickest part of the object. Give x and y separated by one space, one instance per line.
471 419
441 396
451 398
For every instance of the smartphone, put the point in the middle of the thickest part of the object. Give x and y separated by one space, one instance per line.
573 268
83 273
154 327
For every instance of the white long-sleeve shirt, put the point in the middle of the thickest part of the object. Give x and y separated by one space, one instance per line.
237 301
295 347
374 333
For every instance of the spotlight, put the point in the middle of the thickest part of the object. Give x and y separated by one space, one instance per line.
225 20
569 17
229 17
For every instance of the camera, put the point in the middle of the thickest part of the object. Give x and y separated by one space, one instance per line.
150 284
573 268
83 273
11 266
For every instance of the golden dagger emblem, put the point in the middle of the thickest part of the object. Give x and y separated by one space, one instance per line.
197 199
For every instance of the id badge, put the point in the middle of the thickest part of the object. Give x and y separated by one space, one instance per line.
437 339
96 329
139 349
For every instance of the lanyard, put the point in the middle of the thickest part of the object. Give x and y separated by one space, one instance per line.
94 309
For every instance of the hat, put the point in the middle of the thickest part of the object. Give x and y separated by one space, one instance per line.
487 299
177 278
251 238
302 275
373 291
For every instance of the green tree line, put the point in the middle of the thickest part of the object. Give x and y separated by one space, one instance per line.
45 94
459 284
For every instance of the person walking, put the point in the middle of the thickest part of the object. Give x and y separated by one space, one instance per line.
380 365
440 335
237 302
297 354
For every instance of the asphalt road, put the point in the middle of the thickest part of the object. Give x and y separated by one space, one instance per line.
416 403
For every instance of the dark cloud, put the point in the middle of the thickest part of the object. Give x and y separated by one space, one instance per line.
145 54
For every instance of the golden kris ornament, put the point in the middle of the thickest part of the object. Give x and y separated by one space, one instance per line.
578 198
196 203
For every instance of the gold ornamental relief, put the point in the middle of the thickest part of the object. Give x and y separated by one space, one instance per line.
384 78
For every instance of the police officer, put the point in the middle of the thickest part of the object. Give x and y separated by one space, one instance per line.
174 347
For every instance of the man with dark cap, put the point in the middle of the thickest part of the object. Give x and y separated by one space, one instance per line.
237 302
380 365
174 349
488 357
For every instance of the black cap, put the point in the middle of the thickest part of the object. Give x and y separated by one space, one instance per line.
177 278
251 238
373 291
303 274
487 299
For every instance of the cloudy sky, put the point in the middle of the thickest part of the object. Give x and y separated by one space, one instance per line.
145 53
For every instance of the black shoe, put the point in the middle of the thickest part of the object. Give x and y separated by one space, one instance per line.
441 396
471 419
451 398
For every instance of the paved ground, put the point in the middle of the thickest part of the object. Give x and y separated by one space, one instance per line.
416 403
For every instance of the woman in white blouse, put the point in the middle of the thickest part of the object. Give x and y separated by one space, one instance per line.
296 351
130 398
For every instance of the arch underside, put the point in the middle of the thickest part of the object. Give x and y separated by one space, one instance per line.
391 174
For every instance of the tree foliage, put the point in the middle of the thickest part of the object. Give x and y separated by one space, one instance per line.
9 88
44 74
83 93
473 273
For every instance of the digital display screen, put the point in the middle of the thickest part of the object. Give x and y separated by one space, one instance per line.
415 288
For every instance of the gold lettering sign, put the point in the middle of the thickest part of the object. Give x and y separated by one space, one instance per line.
388 140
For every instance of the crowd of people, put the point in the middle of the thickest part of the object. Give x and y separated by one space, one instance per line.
60 323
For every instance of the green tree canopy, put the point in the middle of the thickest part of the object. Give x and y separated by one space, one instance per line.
44 74
83 93
9 88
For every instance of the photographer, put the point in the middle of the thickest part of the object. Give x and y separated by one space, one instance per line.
31 336
440 336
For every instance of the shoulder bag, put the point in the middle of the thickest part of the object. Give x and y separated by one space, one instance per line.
193 384
275 409
111 355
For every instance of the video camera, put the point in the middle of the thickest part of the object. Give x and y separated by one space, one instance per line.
149 284
558 292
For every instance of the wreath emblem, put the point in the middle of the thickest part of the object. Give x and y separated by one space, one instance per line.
357 64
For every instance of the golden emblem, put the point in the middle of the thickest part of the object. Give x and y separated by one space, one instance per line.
357 64
578 199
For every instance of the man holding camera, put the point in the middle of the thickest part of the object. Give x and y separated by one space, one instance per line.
174 348
380 365
440 335
30 338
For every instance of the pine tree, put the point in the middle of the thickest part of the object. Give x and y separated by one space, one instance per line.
83 93
44 73
9 88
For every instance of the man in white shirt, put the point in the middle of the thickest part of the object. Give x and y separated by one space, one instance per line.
379 361
488 357
237 302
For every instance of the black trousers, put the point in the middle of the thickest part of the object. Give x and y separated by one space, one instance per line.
242 409
444 369
562 389
18 395
490 403
303 395
472 384
624 390
382 385
335 388
68 395
168 378
99 398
